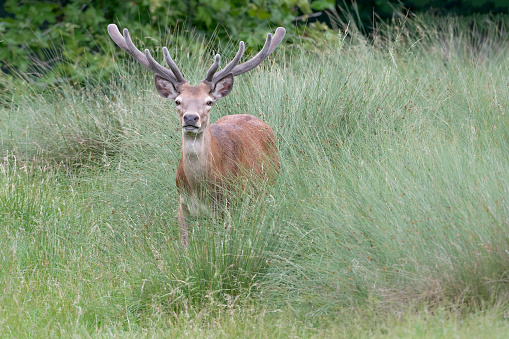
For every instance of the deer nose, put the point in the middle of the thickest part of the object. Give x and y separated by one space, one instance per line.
191 118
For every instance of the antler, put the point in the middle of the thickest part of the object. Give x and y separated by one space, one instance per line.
125 42
270 45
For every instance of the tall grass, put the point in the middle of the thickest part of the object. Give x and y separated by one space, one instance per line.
392 192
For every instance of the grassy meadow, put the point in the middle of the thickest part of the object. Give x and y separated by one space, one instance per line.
389 218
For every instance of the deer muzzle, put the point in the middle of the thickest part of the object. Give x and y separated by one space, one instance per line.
191 122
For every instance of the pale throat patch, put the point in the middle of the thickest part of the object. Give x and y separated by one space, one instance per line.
192 145
195 152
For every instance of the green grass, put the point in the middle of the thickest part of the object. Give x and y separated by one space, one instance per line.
389 217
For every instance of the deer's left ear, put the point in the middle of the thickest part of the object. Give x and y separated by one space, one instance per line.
223 87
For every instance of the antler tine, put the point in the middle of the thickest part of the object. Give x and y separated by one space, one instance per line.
225 71
256 60
117 37
173 66
268 48
160 70
121 42
152 64
146 59
212 70
277 38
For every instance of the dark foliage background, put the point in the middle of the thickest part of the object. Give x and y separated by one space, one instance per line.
54 41
369 10
385 8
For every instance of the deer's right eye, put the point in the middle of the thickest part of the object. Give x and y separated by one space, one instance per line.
177 102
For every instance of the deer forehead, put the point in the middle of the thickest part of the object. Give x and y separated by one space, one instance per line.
194 94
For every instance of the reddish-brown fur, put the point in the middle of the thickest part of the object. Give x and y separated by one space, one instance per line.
237 148
238 142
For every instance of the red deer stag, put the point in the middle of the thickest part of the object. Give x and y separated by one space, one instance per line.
212 154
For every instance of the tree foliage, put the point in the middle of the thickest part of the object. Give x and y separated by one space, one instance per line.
367 10
65 40
51 41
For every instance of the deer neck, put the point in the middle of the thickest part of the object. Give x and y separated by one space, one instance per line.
197 156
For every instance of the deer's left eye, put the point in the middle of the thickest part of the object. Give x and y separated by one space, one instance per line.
210 102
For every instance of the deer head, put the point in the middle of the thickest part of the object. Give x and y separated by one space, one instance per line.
194 102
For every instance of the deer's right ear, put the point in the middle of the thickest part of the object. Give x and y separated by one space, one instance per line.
223 87
165 88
